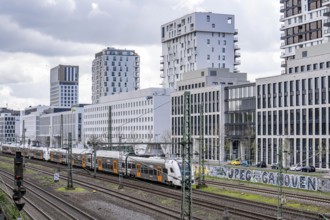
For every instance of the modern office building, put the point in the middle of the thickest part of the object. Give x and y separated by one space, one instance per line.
304 24
64 86
196 41
30 120
114 71
136 116
9 126
240 110
293 111
207 91
56 124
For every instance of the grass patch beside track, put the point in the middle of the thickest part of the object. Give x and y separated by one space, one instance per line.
75 190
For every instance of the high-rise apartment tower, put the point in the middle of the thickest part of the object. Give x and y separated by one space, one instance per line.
304 23
64 85
114 71
196 41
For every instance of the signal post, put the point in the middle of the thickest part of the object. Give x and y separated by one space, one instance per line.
19 189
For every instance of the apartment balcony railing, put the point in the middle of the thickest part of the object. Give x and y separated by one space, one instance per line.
325 2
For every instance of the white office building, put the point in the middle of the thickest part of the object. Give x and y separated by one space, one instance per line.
9 127
30 118
207 89
56 124
136 116
114 71
64 86
196 41
293 110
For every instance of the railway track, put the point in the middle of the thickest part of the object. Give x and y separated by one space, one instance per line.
48 203
234 206
304 197
197 201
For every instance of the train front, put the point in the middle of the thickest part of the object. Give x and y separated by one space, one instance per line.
175 172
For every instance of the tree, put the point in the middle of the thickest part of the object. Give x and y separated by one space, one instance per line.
166 137
250 142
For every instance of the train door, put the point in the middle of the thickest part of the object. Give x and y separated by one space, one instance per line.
159 174
99 164
83 161
115 166
138 170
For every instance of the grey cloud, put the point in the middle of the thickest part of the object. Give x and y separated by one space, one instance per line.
120 22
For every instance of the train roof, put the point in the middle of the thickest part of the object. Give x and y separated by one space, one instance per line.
104 153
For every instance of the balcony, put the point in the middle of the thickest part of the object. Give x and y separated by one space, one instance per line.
237 62
237 54
282 9
162 61
283 64
283 26
162 69
326 23
283 36
162 75
236 47
325 2
326 32
326 12
236 32
235 39
282 18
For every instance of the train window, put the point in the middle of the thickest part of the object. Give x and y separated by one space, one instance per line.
155 172
171 169
151 172
123 165
133 166
111 167
165 170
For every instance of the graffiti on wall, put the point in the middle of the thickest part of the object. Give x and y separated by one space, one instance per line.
266 177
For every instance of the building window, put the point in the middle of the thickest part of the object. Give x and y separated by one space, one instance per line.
304 54
290 70
302 68
229 20
208 18
208 57
321 65
208 41
213 25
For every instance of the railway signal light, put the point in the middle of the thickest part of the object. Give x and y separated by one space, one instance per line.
19 190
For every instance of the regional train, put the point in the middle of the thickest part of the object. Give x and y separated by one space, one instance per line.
151 168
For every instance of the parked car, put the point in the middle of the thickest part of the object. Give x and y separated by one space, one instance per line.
295 168
235 162
275 166
308 169
261 164
245 163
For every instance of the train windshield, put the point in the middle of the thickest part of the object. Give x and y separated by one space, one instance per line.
187 170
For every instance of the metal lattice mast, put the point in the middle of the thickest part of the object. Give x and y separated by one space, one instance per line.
109 128
201 179
280 182
70 183
61 131
186 200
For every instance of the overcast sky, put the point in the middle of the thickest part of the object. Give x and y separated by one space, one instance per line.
37 35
